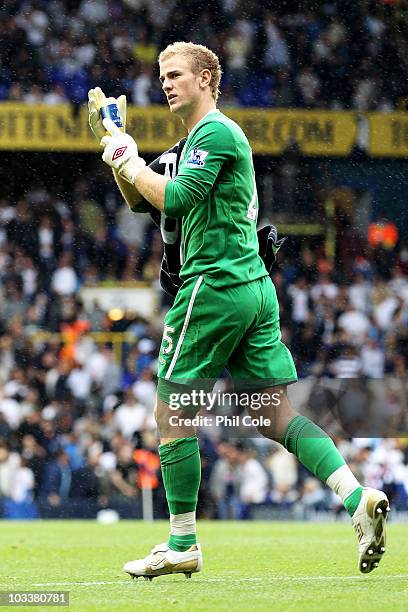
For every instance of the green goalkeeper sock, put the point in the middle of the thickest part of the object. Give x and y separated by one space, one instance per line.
181 470
318 453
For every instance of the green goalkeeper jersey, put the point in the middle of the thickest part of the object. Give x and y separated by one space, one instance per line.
215 194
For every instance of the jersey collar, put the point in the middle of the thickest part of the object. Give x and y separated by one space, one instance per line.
211 112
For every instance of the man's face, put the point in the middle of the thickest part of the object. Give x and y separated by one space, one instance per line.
180 84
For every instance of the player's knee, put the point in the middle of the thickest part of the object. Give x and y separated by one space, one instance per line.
263 423
267 431
160 411
156 412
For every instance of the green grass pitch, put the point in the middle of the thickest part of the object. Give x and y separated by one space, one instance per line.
247 566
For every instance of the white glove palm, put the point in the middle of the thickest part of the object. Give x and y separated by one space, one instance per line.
121 152
97 100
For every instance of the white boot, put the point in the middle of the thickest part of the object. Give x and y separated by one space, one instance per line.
162 561
369 524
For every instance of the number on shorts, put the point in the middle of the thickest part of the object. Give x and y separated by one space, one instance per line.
166 336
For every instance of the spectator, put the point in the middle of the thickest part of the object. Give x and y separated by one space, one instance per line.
372 359
354 323
252 478
57 478
64 280
224 484
9 464
276 50
348 364
79 383
300 300
123 477
10 408
237 48
283 471
142 86
309 87
130 416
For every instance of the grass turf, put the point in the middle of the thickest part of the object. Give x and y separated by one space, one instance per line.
247 566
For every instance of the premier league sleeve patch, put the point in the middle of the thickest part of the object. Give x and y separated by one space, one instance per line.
196 158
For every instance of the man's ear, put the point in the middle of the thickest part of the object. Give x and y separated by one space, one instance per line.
205 77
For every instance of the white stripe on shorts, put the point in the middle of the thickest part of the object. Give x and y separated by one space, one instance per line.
184 329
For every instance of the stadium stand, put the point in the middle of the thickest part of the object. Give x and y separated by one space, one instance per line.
336 55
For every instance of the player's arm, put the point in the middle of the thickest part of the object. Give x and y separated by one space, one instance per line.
152 186
129 193
194 180
134 199
165 165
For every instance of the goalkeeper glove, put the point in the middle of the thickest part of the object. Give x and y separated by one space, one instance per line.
269 245
98 100
121 152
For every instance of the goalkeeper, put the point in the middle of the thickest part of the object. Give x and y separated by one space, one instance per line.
226 312
170 228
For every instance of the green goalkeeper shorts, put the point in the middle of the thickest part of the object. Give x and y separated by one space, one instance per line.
236 328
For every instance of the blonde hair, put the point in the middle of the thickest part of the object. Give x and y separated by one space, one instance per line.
200 58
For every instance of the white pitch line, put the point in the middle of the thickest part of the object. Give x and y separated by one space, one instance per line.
265 579
46 584
307 578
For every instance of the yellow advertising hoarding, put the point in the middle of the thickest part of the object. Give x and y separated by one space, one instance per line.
388 134
314 132
65 128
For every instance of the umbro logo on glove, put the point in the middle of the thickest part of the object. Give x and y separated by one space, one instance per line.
118 153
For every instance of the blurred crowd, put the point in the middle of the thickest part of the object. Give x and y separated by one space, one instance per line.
76 423
77 432
337 54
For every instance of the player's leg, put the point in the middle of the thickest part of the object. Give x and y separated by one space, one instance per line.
263 356
178 451
199 333
186 362
367 507
311 445
181 471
